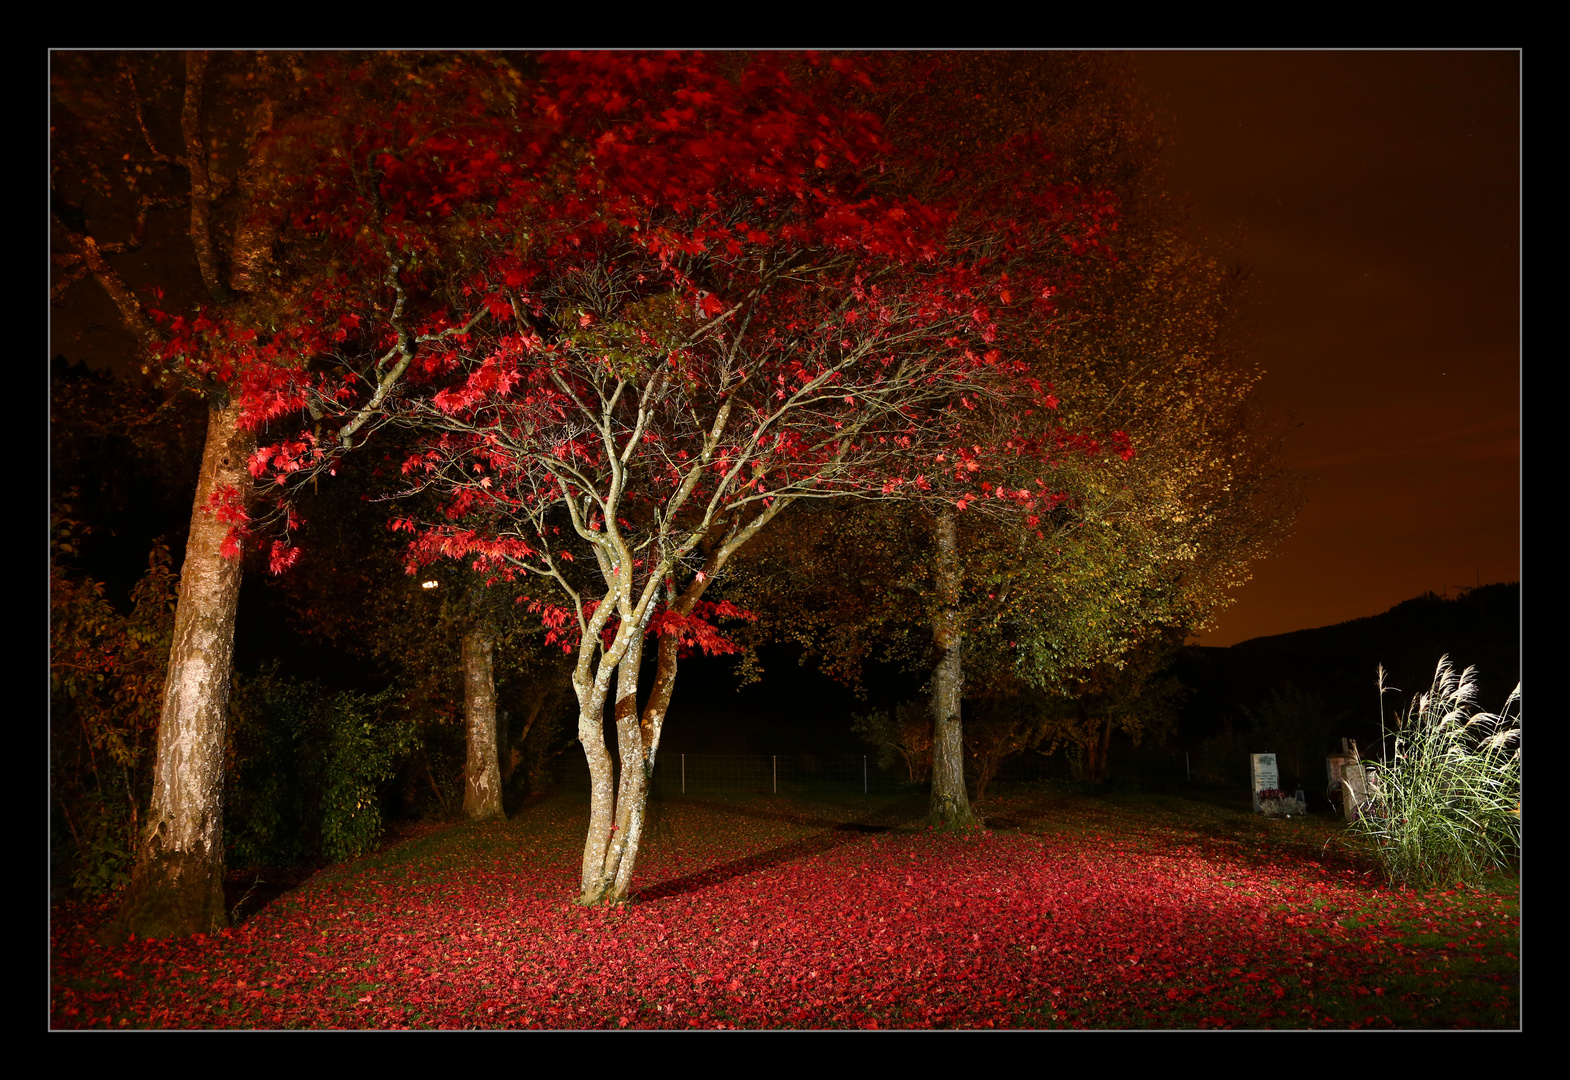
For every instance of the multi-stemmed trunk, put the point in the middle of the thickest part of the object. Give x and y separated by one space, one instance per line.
177 884
619 809
950 806
482 789
618 813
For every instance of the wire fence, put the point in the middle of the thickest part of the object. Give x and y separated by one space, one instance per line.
792 774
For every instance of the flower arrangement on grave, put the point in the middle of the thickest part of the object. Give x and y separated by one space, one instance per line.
1274 801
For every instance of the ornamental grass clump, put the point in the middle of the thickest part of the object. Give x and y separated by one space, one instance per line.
1444 808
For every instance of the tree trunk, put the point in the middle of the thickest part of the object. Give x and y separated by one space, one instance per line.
950 807
638 742
1097 746
482 788
177 883
614 852
591 692
637 763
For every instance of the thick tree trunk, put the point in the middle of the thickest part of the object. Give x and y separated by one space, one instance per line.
482 789
950 807
177 883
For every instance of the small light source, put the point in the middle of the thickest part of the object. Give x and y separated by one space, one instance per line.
428 584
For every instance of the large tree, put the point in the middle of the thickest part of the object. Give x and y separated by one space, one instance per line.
722 302
1144 541
281 286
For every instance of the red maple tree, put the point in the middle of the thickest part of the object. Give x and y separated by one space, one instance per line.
711 293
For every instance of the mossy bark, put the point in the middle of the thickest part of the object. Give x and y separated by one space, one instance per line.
950 805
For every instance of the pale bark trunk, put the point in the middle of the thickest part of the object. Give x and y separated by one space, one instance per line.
482 789
616 821
636 764
638 741
177 884
950 806
602 781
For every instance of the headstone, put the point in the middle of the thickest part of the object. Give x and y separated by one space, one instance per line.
1265 775
1347 779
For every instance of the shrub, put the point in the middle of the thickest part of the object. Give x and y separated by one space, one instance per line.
307 769
902 737
106 671
1444 808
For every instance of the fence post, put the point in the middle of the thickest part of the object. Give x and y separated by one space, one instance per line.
776 774
684 774
1187 772
863 774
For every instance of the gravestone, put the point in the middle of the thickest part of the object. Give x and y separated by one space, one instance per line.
1264 773
1347 778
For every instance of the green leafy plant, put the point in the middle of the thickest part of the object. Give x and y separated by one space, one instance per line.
307 769
106 669
1445 807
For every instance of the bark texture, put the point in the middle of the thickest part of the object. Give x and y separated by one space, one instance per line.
950 806
611 853
482 789
177 883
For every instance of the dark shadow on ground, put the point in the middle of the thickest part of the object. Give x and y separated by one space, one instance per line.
250 889
835 834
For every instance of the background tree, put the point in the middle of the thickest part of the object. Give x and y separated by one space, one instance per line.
989 139
350 605
1144 541
1135 697
903 737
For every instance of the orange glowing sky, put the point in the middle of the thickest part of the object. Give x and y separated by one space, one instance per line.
1378 195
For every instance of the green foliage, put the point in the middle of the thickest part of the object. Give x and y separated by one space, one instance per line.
101 860
1445 806
107 672
902 736
307 769
1133 695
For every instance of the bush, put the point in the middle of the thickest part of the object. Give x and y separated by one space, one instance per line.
307 769
106 671
1444 808
903 738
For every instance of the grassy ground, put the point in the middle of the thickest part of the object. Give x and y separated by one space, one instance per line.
1076 910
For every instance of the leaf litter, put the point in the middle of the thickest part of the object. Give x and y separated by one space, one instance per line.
777 913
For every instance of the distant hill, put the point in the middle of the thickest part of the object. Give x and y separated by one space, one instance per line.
1481 628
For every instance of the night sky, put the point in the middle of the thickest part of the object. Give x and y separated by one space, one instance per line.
1375 196
1378 197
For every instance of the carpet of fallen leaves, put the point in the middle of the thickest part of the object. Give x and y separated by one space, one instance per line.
767 912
